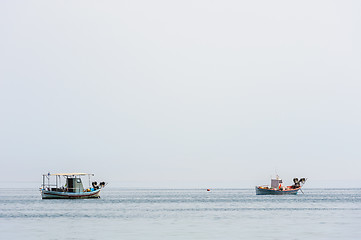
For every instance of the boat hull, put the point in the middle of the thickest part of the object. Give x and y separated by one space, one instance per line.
267 191
46 194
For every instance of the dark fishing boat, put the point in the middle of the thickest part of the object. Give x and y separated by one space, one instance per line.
277 187
52 187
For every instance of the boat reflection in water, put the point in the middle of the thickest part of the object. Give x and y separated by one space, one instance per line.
277 187
52 187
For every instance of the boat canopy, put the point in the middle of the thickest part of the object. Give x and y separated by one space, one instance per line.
68 174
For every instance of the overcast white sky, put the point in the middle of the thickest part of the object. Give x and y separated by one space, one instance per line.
181 93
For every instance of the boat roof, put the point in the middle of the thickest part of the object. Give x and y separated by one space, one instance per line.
68 174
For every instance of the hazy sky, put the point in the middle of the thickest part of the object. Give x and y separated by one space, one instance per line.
181 93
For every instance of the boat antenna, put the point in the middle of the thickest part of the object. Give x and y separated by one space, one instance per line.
277 177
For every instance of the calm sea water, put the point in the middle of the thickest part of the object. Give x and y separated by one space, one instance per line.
182 214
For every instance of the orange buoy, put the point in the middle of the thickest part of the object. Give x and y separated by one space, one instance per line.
208 190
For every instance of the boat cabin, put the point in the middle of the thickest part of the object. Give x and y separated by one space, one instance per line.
275 183
74 184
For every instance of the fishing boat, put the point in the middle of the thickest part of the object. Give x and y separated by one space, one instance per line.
52 187
277 187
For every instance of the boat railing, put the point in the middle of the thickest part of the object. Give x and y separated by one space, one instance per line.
65 189
48 185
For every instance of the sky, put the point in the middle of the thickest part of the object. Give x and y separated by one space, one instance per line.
181 94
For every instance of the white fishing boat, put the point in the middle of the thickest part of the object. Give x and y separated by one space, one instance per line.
70 188
277 187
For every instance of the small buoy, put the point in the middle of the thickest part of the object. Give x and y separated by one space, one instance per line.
208 190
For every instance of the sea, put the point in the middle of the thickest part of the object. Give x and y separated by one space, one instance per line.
182 214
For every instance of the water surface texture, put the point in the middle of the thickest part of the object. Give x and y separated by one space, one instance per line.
182 214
